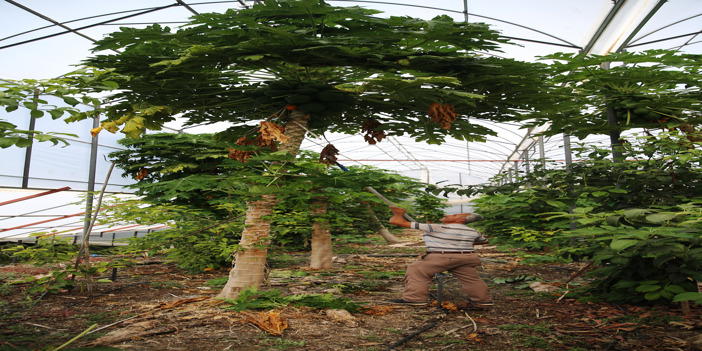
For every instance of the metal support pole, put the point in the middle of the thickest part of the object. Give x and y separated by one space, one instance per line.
509 174
465 10
614 133
468 158
569 164
91 179
568 152
542 151
28 151
542 156
460 181
525 156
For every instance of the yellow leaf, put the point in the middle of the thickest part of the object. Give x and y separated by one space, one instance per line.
110 127
95 131
134 127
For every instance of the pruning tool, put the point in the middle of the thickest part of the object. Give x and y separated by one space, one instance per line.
374 192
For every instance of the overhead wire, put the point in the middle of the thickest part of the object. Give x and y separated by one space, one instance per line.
67 181
44 17
568 44
85 27
40 210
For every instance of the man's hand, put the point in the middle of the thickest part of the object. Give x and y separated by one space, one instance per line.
397 210
398 217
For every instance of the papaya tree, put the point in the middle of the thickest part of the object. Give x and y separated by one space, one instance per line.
305 66
650 90
191 175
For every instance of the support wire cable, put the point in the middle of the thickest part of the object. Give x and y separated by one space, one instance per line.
65 180
26 214
182 3
46 18
465 13
77 20
87 26
401 147
664 27
693 34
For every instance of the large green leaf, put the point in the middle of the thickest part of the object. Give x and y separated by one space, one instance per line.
622 244
660 217
688 296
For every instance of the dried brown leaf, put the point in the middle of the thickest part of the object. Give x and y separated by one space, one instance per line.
328 155
270 322
270 131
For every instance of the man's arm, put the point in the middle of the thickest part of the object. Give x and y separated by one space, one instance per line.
398 217
481 240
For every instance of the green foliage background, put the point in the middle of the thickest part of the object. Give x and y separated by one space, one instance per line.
639 220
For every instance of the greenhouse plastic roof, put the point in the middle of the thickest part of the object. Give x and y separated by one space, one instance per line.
44 39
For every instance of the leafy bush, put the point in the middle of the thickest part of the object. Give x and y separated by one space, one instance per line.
428 207
533 239
60 255
643 254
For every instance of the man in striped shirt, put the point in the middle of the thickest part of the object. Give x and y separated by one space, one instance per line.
449 248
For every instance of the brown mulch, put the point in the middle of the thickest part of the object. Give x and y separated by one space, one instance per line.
159 307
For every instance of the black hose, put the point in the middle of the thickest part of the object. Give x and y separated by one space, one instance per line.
423 329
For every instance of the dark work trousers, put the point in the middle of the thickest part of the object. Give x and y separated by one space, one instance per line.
461 265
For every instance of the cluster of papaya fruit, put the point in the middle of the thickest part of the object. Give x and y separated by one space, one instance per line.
643 110
307 97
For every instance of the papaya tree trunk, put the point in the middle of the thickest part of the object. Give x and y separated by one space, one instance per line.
321 256
250 261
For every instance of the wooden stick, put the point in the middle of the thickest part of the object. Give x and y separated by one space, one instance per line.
580 272
685 306
77 337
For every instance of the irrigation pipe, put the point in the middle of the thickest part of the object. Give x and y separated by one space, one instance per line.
423 329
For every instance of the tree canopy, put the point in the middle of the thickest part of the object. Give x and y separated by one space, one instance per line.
651 89
348 69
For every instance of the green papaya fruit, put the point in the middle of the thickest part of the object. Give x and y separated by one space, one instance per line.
276 93
281 85
312 107
329 96
306 90
641 111
298 99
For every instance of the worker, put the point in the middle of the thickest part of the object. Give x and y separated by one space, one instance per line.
449 248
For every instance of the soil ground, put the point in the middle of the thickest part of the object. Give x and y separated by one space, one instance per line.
156 306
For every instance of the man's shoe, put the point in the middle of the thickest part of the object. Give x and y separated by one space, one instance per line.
407 303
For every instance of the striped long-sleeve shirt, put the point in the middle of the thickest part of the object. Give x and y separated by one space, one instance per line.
449 237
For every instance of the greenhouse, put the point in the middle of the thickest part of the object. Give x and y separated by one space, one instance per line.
235 174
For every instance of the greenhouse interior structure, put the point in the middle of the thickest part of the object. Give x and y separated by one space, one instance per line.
46 40
557 121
